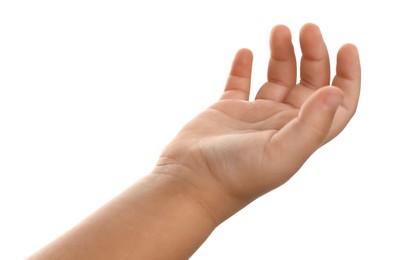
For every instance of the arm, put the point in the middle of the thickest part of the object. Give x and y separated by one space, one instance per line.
232 153
156 218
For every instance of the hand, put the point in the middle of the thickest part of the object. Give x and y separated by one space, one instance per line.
245 148
226 157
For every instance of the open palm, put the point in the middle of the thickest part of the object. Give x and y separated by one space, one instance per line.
252 147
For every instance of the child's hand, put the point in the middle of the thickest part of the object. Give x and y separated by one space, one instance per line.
226 157
238 149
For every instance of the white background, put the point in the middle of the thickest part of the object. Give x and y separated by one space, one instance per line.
92 91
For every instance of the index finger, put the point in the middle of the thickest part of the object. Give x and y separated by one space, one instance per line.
348 76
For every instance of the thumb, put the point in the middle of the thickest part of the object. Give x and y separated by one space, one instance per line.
294 143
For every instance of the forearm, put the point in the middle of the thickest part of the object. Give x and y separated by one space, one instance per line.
156 218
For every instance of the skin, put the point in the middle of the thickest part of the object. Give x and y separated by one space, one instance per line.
227 156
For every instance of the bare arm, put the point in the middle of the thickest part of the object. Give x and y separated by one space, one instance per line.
232 153
154 219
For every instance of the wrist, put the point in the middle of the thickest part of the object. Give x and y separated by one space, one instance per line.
200 189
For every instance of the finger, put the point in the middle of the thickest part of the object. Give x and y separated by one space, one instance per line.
348 77
314 65
294 143
239 80
282 66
